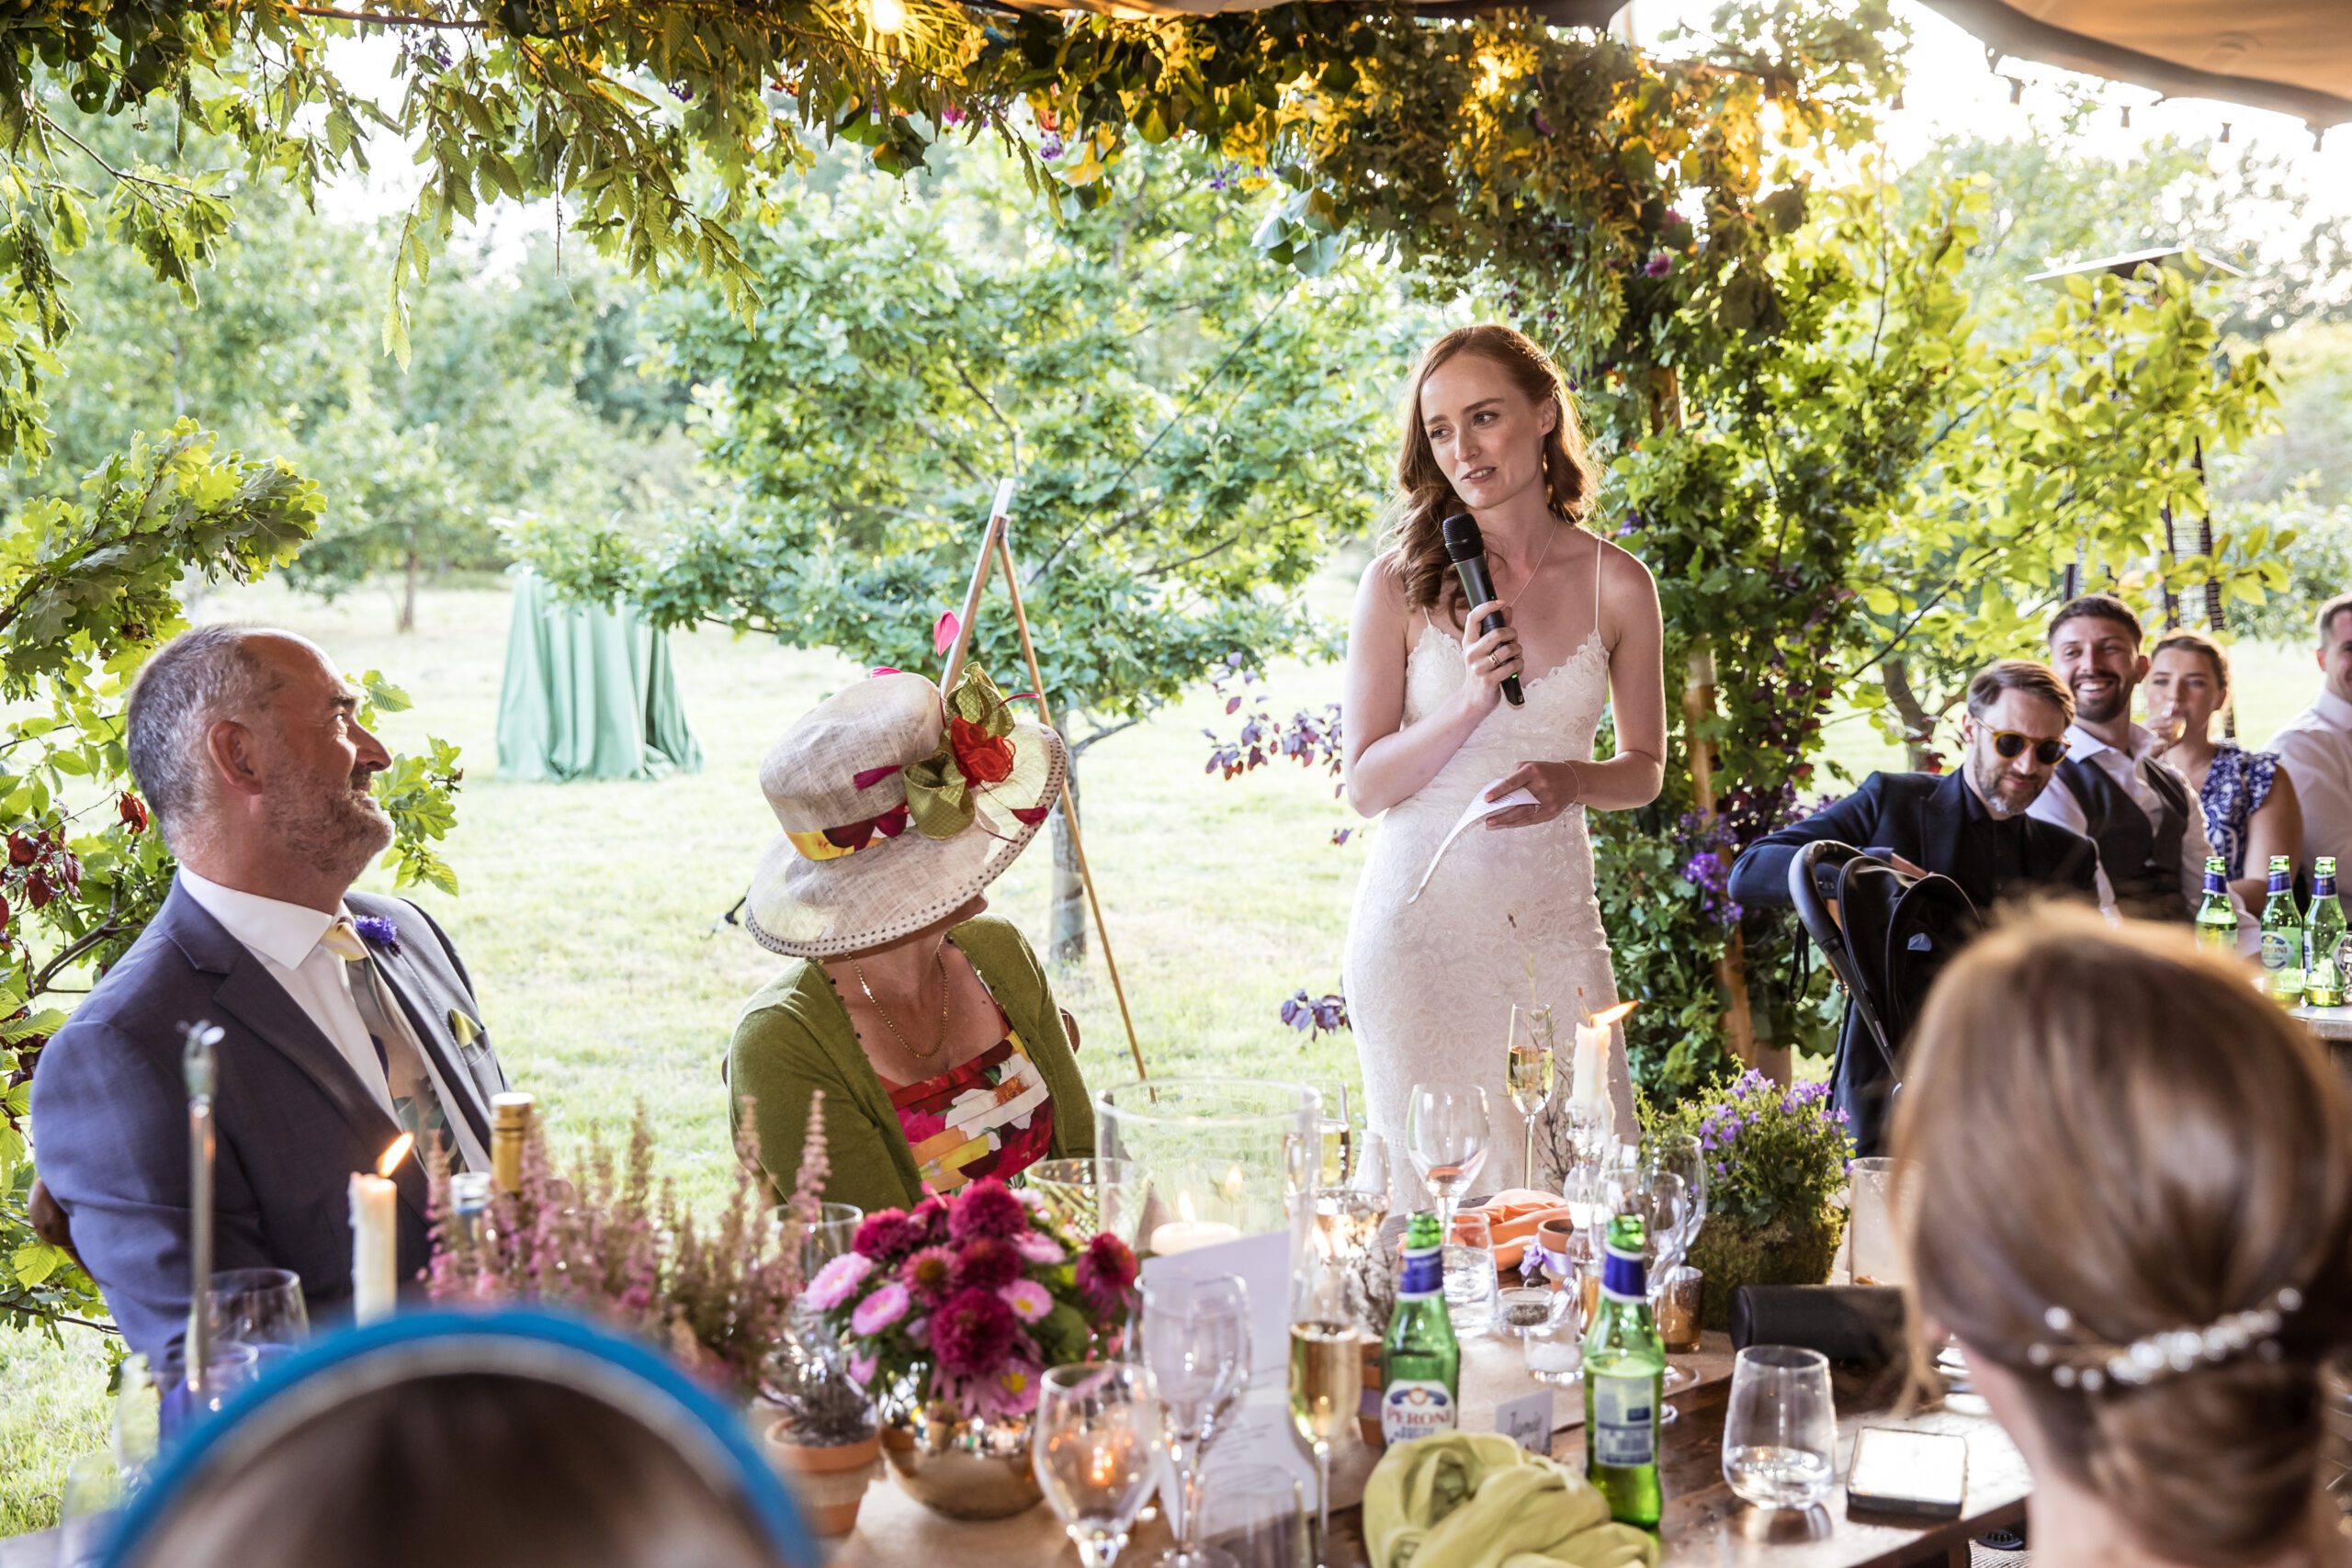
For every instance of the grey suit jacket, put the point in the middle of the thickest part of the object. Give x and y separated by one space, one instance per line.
109 1115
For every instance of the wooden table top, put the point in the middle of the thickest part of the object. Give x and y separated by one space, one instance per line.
2331 1024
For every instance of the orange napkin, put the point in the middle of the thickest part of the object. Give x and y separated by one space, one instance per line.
1514 1214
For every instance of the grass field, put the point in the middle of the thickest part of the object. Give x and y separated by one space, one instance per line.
589 912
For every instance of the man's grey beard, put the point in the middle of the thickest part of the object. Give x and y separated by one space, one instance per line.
336 834
1988 792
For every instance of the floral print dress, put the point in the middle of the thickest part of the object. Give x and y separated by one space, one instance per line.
2236 787
990 1116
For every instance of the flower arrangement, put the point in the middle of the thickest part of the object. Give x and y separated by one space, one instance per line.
606 1241
964 1300
1776 1166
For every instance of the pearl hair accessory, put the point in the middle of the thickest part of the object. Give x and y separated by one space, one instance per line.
2091 1367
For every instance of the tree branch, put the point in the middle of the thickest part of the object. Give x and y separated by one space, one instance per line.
1011 437
1077 747
391 18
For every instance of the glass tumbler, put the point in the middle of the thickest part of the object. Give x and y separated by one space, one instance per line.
1781 1432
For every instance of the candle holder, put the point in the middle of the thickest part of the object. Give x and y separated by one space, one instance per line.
1224 1158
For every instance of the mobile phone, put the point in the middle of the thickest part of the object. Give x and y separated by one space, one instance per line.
1917 1474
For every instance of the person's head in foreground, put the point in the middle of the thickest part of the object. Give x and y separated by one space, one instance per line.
899 806
2014 732
2129 1199
488 1438
247 745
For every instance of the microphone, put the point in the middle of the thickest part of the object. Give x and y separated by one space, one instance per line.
1466 548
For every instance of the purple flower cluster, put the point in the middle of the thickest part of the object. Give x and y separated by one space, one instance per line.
1710 849
1307 739
1316 1015
1659 264
378 931
1050 147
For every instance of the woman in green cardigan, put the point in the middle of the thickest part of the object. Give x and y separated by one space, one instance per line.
929 1027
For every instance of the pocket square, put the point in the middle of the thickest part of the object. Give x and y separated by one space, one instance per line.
463 1029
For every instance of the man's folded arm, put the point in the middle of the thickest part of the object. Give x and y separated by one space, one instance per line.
1759 879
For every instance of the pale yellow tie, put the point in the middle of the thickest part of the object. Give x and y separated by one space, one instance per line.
416 1103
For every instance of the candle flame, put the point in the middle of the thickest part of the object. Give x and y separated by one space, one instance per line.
395 1152
1184 1206
1603 1020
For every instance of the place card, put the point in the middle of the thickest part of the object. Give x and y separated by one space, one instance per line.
1527 1421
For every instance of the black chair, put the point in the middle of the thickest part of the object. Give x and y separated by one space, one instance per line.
1886 935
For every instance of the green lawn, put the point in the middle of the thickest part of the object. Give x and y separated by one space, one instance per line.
588 915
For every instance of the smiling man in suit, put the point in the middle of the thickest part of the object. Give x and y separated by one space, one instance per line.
1970 824
348 1017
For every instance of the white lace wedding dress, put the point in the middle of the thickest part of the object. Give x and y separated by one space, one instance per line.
1429 982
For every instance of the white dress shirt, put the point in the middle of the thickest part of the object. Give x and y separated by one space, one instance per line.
2316 745
284 937
2057 804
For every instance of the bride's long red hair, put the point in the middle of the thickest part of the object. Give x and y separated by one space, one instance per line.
1424 496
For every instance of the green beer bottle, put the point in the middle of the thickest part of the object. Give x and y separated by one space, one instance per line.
1625 1372
1420 1360
2323 951
2282 936
2217 923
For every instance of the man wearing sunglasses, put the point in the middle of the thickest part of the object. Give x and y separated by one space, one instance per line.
1970 824
2114 786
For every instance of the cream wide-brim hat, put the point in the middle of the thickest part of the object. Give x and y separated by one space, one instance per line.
838 767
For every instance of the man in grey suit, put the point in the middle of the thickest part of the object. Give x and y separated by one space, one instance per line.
348 1017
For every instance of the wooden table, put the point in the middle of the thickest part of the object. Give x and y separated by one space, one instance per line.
1705 1526
2331 1024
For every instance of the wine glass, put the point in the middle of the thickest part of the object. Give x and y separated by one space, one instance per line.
1096 1451
1325 1375
260 1307
1528 1073
1445 1125
1371 1170
1338 1145
1196 1352
1662 1200
1681 1154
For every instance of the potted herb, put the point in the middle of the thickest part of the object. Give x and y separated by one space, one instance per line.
824 1442
1776 1166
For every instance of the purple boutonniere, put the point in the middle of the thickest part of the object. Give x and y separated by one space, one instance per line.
378 931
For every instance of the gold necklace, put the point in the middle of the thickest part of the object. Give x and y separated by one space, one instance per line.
939 957
1532 570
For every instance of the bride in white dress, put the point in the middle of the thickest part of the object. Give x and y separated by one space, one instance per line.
1431 978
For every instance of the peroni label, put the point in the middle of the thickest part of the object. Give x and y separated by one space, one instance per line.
1624 1422
1413 1408
2279 952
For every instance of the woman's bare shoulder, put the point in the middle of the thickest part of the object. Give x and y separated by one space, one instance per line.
1621 568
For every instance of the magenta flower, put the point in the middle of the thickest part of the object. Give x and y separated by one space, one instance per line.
1012 1391
880 1310
838 1281
1036 1246
1028 1299
986 1208
930 1273
1106 1270
987 1265
1659 264
885 1235
972 1334
930 1218
862 1369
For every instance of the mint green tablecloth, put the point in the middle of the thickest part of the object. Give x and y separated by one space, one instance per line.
589 694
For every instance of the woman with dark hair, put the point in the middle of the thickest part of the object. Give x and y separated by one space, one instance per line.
1448 931
2251 812
2128 1195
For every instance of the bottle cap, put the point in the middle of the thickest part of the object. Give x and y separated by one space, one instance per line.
2324 866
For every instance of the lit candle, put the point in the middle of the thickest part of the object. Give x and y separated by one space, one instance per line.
1185 1232
375 1265
1588 1090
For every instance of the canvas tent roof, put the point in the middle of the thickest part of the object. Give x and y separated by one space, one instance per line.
2294 56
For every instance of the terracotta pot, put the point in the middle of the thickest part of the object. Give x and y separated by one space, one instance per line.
965 1470
1368 1408
828 1482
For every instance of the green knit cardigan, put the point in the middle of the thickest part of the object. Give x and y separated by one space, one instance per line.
795 1038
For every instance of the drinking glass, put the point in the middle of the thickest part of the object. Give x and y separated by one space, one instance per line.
1682 1153
1096 1451
1470 1280
1873 1251
1554 1347
1371 1170
1088 1196
260 1307
1780 1431
1326 1394
820 1241
1256 1521
1337 1141
87 1510
1528 1074
1445 1125
1196 1352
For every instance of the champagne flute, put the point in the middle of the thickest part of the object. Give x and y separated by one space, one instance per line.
1196 1353
1446 1124
1325 1377
1529 1074
1337 1136
1096 1451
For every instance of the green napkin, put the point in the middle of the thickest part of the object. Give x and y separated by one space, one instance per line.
1478 1500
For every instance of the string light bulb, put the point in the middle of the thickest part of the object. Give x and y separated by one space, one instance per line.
2127 116
886 16
2225 134
2017 89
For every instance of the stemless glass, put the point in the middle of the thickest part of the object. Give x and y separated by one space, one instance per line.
1196 1352
1781 1432
1528 1074
1468 1271
1087 1196
260 1307
1446 1125
1257 1520
1096 1452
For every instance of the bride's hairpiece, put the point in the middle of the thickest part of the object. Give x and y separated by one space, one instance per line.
2091 1366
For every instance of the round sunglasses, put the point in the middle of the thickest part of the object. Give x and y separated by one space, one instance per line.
2007 743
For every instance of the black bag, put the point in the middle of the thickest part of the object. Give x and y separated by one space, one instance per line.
1886 936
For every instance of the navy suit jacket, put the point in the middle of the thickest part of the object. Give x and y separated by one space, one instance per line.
292 1120
1924 818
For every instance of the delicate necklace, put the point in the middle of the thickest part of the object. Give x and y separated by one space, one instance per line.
939 957
1537 567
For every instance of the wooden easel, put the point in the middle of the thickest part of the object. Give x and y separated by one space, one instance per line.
996 550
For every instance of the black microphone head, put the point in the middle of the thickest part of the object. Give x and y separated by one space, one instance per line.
1463 540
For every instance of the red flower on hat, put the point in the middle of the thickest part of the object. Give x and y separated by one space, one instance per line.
984 758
